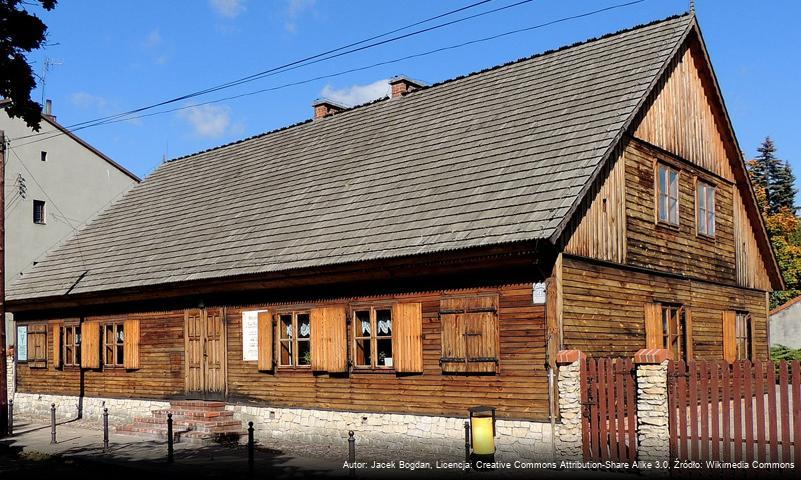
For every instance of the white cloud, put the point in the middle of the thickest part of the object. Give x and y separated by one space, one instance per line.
207 120
294 9
357 94
228 8
152 39
87 100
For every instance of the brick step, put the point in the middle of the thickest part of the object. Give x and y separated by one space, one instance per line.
197 405
182 436
162 413
190 423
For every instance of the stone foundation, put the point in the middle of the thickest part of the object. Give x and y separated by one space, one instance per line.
120 410
410 437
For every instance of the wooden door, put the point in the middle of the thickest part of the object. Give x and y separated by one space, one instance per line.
204 333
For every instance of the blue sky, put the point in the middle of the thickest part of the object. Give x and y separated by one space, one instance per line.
115 56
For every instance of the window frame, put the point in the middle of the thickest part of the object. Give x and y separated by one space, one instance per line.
43 155
43 216
373 338
293 341
674 328
659 195
702 209
75 345
743 320
118 348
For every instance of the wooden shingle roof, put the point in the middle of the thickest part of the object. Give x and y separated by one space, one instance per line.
497 156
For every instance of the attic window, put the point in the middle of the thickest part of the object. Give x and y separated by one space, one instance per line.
44 156
39 212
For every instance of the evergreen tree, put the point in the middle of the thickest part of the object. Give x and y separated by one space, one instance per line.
783 189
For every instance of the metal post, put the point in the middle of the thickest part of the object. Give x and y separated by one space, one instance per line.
467 444
10 417
251 447
53 423
169 439
352 453
105 429
3 367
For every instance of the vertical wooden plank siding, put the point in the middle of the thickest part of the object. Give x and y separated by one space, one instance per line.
682 119
56 334
600 232
407 337
749 262
193 348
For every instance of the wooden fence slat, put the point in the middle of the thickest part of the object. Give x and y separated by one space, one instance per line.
703 408
585 419
797 412
611 437
595 452
737 400
784 392
772 421
749 410
673 410
725 371
692 371
631 411
602 414
759 393
620 408
715 418
682 403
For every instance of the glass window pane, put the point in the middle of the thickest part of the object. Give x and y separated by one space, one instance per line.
384 352
363 353
304 352
304 325
362 323
285 326
285 355
383 322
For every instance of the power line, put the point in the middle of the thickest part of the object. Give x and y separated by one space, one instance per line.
356 69
310 60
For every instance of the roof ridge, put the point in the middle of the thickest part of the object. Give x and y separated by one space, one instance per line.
440 83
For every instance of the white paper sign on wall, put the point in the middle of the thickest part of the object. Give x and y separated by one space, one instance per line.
250 335
538 293
22 343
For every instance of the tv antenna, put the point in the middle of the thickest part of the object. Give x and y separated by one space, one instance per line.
49 63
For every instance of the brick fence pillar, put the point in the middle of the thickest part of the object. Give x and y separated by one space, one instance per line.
568 430
653 434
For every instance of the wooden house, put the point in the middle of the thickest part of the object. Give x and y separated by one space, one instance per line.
422 254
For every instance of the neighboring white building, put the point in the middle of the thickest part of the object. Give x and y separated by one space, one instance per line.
785 324
54 183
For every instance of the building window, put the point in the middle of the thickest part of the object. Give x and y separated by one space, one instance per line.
743 336
372 337
37 346
705 201
294 339
113 344
71 345
44 156
674 330
469 334
39 212
667 195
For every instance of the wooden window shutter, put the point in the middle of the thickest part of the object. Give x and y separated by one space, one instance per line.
407 337
452 338
329 351
131 344
730 336
265 329
90 345
653 325
481 338
688 334
469 334
56 345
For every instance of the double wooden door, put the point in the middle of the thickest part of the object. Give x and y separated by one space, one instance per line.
204 334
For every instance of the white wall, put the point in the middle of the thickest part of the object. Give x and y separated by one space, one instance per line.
75 183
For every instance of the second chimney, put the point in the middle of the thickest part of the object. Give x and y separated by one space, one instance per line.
323 107
402 85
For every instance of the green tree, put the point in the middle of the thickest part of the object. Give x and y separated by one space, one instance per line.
21 32
783 189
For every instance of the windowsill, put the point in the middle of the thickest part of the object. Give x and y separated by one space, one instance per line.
113 367
293 367
704 236
40 223
362 369
666 225
68 368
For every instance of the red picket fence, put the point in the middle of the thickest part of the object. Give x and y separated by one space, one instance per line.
746 411
609 417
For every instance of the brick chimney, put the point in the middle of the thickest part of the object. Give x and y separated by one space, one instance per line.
402 85
323 107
